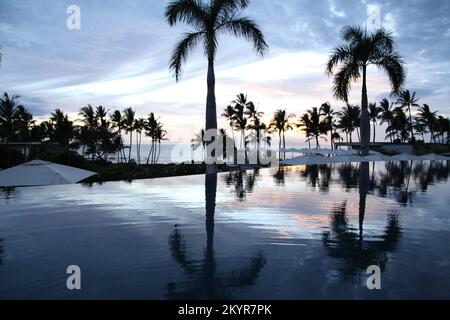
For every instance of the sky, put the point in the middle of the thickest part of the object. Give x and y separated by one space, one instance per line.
119 58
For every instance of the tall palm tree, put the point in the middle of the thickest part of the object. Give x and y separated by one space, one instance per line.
228 114
256 126
329 124
88 131
305 125
374 114
62 131
128 121
354 57
151 127
399 126
386 113
139 126
101 114
442 126
116 119
160 135
240 121
316 126
427 118
348 121
24 121
8 107
406 100
209 20
281 123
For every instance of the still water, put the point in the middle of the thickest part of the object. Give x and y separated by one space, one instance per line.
306 232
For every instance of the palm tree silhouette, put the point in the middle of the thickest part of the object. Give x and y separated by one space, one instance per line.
316 126
359 52
61 129
23 122
128 122
209 21
8 108
328 123
349 120
281 123
374 114
205 280
87 132
399 126
240 121
386 113
305 125
228 114
406 100
139 127
116 119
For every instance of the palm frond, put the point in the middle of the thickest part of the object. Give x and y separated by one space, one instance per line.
191 12
181 51
247 29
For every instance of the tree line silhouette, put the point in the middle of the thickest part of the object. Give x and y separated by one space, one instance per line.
97 132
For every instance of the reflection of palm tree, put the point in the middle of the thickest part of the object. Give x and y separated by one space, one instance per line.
205 282
242 182
279 176
343 242
318 175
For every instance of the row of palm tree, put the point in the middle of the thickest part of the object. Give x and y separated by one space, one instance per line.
99 134
328 124
349 62
318 123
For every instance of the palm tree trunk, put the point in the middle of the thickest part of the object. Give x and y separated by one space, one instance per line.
374 132
131 144
279 145
365 121
410 124
159 151
150 154
390 136
211 113
284 146
137 147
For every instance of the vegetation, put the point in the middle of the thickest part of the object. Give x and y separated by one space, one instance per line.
209 20
359 51
97 133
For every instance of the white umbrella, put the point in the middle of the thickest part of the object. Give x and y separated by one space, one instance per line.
41 173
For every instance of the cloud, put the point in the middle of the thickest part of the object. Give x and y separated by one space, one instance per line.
120 56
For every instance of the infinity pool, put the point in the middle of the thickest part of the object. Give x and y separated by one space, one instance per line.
307 232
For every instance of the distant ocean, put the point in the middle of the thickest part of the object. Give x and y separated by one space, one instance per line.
170 153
